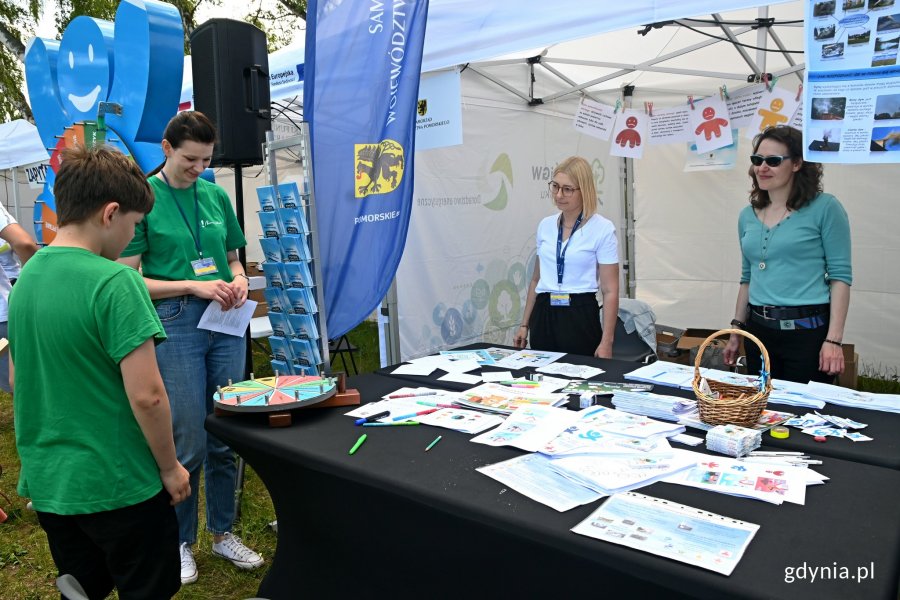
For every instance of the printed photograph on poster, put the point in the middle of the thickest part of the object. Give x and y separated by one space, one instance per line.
887 107
823 138
859 37
828 109
594 119
823 9
775 108
720 159
631 134
886 139
710 124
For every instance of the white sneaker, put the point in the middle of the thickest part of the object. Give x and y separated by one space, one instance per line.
232 549
188 565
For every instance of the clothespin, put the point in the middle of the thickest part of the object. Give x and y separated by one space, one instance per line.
691 102
723 92
799 92
770 82
648 108
618 106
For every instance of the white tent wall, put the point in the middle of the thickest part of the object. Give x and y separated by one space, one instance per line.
687 258
468 250
26 197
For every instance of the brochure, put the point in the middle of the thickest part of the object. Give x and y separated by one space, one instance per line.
531 476
670 530
501 399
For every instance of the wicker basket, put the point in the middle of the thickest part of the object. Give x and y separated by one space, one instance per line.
736 404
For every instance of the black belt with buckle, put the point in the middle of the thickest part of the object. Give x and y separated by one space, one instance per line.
778 313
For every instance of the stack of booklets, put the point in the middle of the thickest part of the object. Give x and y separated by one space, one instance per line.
658 406
846 397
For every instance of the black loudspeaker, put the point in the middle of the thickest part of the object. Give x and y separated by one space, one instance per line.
230 64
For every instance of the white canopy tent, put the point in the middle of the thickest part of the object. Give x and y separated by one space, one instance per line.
681 227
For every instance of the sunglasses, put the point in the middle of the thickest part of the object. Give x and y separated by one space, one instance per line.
772 161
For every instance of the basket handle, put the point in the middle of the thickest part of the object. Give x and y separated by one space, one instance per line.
722 332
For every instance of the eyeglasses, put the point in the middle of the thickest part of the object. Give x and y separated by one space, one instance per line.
773 160
567 190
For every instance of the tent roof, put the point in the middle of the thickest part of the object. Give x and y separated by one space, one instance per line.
20 144
598 49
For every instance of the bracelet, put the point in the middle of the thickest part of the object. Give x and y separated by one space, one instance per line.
525 326
838 344
242 275
738 324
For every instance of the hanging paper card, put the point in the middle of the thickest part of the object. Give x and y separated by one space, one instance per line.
671 125
594 119
775 108
720 159
710 124
743 103
630 134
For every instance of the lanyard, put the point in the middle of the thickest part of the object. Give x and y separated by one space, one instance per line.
196 238
561 251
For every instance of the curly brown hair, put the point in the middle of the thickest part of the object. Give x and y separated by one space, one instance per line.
806 183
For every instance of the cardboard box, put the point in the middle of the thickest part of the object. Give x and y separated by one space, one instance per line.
849 378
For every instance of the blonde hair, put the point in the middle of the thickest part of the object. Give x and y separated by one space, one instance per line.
580 171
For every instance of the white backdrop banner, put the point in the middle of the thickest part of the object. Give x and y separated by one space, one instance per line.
470 249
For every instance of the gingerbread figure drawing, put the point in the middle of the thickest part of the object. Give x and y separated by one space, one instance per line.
711 124
629 136
773 117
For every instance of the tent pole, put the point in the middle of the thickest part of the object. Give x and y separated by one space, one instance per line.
762 38
734 42
389 333
15 193
628 270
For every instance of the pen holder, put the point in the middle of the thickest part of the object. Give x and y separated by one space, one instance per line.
736 404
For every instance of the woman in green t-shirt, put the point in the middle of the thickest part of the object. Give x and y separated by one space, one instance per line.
186 248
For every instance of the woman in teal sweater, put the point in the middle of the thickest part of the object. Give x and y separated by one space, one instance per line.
796 271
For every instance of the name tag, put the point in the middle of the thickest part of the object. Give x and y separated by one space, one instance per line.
204 266
559 300
787 324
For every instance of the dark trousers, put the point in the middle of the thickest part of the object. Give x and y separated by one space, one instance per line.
794 354
574 329
134 549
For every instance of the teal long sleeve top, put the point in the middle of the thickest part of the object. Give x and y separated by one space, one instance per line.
802 254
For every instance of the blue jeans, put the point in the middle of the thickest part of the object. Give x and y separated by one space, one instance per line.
192 363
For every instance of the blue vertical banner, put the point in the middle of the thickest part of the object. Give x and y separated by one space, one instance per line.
363 60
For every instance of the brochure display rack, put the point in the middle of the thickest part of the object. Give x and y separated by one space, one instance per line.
290 246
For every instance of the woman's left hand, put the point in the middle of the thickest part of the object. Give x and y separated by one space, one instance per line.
241 286
831 359
604 350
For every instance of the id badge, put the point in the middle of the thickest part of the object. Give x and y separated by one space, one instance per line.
559 300
204 266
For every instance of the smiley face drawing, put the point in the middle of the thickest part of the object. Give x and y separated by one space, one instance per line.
84 68
135 63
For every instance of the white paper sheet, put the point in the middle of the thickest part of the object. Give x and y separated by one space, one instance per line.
231 322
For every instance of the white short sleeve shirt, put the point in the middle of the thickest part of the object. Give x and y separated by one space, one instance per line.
593 242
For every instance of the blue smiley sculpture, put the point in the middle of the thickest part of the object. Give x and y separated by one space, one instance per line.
135 63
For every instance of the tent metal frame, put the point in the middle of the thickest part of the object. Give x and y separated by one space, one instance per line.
765 31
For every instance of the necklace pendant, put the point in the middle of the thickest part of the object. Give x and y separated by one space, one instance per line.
762 266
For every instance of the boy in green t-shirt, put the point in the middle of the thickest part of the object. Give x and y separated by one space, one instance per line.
92 421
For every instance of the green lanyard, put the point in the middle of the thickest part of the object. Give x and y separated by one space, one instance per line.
196 237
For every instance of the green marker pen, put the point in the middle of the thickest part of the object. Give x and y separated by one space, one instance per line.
358 443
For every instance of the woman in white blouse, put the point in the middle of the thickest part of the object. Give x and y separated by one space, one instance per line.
576 250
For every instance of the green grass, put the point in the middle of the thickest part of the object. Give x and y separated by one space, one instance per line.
27 571
878 379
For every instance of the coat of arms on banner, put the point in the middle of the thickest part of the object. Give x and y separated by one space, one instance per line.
379 167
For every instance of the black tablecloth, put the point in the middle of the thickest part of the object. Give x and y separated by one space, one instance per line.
394 520
883 427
